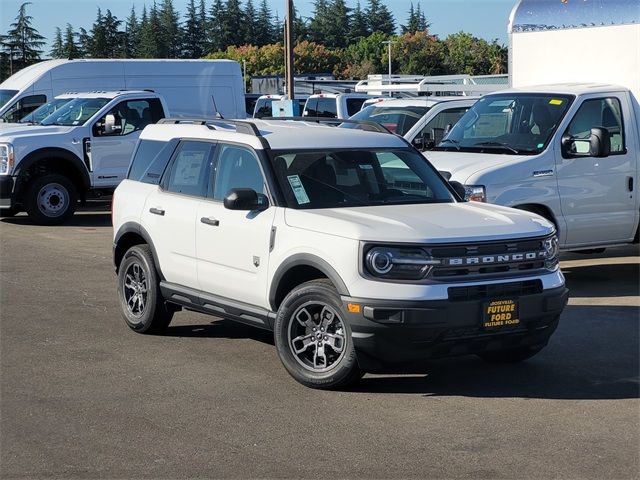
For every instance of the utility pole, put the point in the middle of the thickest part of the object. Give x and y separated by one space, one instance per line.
288 45
389 42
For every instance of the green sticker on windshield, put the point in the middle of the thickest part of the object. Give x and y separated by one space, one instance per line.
555 101
540 145
298 189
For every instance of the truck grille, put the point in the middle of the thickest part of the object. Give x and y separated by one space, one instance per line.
495 290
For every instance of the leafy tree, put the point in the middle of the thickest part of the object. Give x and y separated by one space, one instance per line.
359 24
191 34
380 18
132 33
419 54
468 54
70 46
337 24
310 57
56 47
23 41
364 57
169 39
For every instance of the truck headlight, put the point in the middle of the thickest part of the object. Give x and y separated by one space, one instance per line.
552 249
475 193
6 158
399 263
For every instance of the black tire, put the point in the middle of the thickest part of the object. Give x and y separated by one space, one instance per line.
514 355
9 212
328 357
137 276
51 199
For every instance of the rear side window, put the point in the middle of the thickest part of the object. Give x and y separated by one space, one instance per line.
354 105
150 160
23 107
190 169
327 108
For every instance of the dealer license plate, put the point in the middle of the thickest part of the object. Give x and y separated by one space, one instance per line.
499 314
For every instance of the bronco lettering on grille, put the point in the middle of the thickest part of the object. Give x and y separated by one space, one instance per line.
496 259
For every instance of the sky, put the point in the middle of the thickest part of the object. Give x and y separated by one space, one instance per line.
482 18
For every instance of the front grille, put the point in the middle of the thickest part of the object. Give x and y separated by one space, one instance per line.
494 291
460 262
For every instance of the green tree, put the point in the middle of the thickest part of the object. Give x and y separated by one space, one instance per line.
364 57
169 44
380 18
359 24
115 39
264 34
419 53
250 23
22 41
214 29
310 57
149 33
70 46
132 34
98 47
416 22
337 25
84 42
56 47
191 34
468 54
233 24
318 26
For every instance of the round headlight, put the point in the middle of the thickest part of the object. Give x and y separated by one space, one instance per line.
379 261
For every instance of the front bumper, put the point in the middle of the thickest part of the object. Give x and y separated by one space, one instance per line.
7 189
394 332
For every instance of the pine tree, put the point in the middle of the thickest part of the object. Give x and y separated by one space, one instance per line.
192 46
115 39
423 24
412 22
300 27
214 30
318 30
149 32
250 23
98 44
380 18
132 32
359 24
232 24
22 41
264 25
84 43
56 47
202 27
169 44
337 24
70 47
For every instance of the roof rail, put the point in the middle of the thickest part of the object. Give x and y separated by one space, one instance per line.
247 128
372 126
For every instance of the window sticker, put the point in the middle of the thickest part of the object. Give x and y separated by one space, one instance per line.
555 101
298 189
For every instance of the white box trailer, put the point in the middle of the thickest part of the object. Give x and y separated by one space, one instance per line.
565 141
193 88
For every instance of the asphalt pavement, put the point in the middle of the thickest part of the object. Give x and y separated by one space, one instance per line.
82 396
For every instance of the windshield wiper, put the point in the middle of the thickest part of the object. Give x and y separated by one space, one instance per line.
456 143
496 144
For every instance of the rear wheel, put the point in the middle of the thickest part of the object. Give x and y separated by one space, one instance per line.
141 303
51 199
312 338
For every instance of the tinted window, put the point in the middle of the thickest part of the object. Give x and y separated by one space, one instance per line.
311 108
327 108
398 119
133 115
190 169
435 128
23 107
147 165
237 167
354 105
264 108
601 112
6 95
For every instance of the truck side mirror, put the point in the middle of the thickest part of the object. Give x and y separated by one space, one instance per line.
597 145
459 189
421 141
110 127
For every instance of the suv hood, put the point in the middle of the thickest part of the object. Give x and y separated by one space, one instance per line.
461 165
437 223
25 131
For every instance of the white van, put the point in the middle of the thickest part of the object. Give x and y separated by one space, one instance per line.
334 105
264 105
215 86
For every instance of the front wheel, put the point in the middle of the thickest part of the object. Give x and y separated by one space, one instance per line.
312 338
51 199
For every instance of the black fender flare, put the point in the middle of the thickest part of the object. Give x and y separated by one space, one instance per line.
54 152
305 259
133 227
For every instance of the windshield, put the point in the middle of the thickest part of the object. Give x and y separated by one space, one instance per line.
357 177
76 112
515 123
396 119
6 95
43 111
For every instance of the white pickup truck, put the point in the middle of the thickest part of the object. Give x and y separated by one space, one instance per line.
567 151
83 147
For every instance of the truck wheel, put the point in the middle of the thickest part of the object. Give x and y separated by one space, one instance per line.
513 355
51 199
312 338
141 303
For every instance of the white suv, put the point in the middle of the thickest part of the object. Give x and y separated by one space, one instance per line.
346 243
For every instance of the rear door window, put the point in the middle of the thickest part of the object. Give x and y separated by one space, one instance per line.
354 105
189 172
150 160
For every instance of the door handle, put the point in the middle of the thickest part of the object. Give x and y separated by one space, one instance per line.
157 211
210 221
630 183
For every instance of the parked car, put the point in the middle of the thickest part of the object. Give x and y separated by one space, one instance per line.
213 85
345 243
264 105
334 105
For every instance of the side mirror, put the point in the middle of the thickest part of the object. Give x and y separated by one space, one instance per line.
245 199
459 189
110 127
421 141
597 145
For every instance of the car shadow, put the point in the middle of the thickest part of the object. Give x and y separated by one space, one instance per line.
220 329
80 219
613 280
591 356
